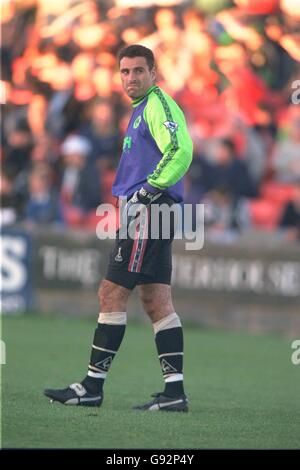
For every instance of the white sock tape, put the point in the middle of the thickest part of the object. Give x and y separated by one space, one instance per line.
171 321
113 318
174 378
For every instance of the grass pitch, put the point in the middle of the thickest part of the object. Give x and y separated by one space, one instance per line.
244 391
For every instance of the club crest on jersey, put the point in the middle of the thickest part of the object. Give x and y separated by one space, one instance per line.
172 126
137 122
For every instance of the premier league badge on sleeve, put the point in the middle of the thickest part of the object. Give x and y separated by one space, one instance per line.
172 126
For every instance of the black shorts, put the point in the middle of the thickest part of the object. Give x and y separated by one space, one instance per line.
143 260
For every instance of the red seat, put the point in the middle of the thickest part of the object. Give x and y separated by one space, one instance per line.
73 216
264 213
278 193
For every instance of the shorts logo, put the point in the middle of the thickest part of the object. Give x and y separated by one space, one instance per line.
118 257
172 126
137 122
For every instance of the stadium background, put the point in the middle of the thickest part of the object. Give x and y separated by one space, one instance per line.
234 67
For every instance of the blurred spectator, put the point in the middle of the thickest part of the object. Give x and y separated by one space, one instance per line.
249 144
11 204
166 31
66 48
103 79
18 148
174 61
45 150
246 91
230 172
290 220
239 27
103 134
82 68
200 177
287 155
223 218
43 206
193 32
80 185
90 31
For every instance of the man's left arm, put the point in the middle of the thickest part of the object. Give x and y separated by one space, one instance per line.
168 128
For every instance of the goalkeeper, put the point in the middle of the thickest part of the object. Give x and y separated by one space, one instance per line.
157 152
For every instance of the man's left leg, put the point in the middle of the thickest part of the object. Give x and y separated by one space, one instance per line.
157 302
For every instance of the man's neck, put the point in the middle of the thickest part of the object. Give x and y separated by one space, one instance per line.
136 101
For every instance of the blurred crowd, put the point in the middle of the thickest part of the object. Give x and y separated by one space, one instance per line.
234 71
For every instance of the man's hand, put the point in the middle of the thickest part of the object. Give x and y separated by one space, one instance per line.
136 204
144 197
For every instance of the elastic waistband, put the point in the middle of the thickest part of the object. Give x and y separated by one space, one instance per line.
164 198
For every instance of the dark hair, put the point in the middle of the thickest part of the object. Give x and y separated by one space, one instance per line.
229 144
136 50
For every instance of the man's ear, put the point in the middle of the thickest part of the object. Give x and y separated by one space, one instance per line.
153 73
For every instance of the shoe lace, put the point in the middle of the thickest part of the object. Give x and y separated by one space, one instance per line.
156 394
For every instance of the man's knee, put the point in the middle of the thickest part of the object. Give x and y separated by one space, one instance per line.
149 302
156 300
112 297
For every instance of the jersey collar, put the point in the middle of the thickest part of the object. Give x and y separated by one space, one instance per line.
137 101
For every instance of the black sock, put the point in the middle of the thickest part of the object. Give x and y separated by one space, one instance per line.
107 340
173 389
169 345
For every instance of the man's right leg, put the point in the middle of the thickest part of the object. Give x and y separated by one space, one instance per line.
107 340
108 334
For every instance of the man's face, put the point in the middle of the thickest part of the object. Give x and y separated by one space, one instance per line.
136 76
222 154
